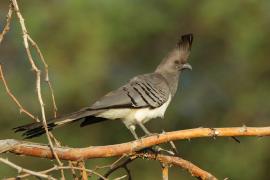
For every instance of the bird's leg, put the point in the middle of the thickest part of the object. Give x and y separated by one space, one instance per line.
172 145
133 132
155 148
145 130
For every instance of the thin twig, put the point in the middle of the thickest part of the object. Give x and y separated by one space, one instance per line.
17 102
20 170
47 79
21 108
38 73
118 166
27 174
7 25
83 169
83 172
72 170
57 168
117 161
128 172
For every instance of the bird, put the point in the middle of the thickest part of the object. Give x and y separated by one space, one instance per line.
143 98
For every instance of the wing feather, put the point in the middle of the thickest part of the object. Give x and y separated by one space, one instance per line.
149 90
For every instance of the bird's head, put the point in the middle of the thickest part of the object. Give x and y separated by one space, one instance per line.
176 60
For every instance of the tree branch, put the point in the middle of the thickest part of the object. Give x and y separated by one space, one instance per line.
7 25
77 154
117 165
12 96
132 148
165 171
20 169
26 38
177 161
43 174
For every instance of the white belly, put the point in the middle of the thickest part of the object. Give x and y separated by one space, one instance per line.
132 116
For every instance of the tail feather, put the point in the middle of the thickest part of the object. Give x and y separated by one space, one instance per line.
37 129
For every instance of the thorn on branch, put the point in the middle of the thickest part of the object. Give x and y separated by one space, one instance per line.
214 133
244 129
27 38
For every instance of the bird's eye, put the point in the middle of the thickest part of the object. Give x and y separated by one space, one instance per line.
176 62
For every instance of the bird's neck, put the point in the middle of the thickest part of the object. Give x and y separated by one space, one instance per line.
172 80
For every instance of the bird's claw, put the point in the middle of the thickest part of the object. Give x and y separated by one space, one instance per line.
150 134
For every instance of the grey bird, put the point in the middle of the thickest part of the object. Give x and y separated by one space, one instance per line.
143 98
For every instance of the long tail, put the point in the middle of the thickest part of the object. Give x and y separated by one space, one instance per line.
37 129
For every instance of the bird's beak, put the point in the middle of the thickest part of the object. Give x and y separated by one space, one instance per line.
186 66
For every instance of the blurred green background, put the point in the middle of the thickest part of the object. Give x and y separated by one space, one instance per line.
95 46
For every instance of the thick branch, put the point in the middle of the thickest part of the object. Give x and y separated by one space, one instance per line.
76 154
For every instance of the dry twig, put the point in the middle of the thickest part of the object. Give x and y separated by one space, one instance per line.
117 165
7 25
57 168
27 171
21 108
47 79
26 37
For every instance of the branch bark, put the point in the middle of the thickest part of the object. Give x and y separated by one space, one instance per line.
77 154
177 161
133 148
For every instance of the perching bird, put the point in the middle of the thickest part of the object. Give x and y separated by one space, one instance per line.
143 98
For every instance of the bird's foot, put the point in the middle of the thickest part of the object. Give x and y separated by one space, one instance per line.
150 134
157 149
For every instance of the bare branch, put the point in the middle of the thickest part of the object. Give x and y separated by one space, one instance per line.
76 154
57 168
7 25
26 37
47 79
117 165
72 170
21 108
177 161
20 170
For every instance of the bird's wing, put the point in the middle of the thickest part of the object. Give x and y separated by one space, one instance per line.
149 90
